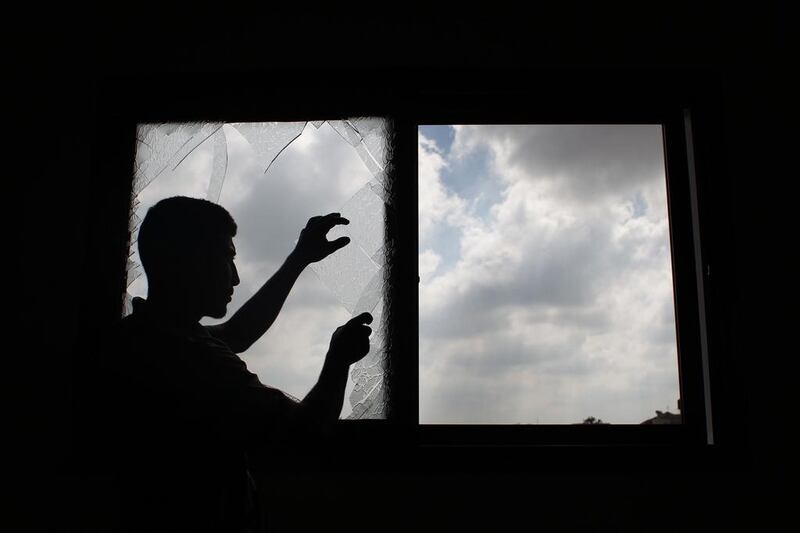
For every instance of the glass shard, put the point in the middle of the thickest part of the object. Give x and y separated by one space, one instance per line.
269 139
127 305
219 166
369 141
133 271
346 132
347 273
370 295
368 160
378 187
133 225
379 256
205 131
371 404
365 213
373 136
367 374
162 146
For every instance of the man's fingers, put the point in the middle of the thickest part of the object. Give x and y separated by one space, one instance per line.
341 242
363 318
330 220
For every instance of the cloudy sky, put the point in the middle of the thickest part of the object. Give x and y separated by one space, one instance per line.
545 292
546 288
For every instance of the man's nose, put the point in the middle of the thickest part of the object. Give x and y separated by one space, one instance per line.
235 276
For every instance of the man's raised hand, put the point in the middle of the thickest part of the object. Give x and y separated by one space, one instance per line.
313 245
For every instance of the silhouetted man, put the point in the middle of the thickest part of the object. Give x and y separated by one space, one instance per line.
179 409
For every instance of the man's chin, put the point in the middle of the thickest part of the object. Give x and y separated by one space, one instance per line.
219 312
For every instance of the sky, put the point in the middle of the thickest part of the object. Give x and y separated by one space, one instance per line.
546 286
546 289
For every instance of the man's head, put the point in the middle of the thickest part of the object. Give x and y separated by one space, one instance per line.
186 248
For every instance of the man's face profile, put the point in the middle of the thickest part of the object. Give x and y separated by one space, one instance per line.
217 277
208 277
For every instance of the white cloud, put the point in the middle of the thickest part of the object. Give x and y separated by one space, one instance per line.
436 205
428 263
579 162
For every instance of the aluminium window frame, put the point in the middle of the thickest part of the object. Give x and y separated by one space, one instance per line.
452 97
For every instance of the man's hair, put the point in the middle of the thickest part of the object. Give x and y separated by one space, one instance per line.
176 227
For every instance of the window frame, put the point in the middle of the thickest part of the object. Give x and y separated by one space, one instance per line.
693 375
453 97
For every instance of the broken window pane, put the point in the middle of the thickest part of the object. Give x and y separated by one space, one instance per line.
546 283
367 398
272 177
164 146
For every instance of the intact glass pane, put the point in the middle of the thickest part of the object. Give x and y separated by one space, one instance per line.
545 291
272 177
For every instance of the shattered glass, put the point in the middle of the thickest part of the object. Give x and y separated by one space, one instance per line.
350 275
367 397
162 146
357 277
365 213
368 138
354 274
219 166
269 139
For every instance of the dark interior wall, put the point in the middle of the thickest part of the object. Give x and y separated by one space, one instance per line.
63 61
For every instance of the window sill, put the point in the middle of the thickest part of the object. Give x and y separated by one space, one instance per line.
369 446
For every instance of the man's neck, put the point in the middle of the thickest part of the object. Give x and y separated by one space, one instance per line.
170 314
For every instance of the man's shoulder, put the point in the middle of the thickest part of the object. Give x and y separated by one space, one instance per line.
214 360
139 348
134 333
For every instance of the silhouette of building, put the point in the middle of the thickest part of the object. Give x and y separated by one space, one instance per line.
664 418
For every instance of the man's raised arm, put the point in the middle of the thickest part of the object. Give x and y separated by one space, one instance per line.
256 316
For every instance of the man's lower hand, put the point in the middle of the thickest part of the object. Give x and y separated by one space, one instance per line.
350 342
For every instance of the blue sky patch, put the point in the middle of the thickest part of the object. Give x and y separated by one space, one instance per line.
470 177
443 136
